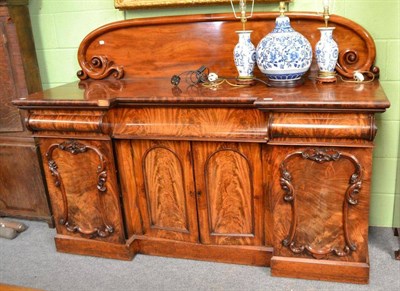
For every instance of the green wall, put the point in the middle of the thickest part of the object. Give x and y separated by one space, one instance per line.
59 26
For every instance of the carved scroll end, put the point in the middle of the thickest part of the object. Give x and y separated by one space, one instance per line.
103 232
296 249
101 182
350 62
54 172
99 68
286 185
375 70
108 230
286 242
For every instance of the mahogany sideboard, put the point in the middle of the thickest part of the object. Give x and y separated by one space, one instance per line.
22 191
256 175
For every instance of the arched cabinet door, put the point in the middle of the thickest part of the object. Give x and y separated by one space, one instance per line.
164 180
83 188
229 192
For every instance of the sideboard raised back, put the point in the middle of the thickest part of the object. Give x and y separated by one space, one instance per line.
162 47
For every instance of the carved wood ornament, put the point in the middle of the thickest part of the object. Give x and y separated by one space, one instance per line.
350 198
98 68
76 148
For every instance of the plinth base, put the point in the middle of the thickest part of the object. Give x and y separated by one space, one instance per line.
339 271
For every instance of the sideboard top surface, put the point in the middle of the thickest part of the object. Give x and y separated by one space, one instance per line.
159 91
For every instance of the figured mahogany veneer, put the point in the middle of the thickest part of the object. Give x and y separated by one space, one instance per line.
253 175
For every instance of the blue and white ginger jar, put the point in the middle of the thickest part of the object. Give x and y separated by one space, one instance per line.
284 54
244 55
326 51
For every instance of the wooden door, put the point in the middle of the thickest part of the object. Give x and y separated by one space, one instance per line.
320 198
164 179
83 188
229 192
22 192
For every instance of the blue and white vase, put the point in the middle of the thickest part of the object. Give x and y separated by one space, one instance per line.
326 54
284 55
244 55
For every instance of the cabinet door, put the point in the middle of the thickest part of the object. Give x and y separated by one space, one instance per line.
83 188
22 192
166 191
229 192
320 199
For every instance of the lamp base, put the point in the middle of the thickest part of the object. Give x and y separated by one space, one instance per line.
326 77
285 83
245 81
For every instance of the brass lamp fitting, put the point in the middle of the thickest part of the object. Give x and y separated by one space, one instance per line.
282 8
243 17
243 14
326 15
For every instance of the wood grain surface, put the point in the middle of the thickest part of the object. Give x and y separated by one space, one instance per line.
211 123
98 58
139 92
83 189
312 125
229 193
62 121
315 203
20 173
164 179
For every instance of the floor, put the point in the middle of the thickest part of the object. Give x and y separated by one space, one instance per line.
31 260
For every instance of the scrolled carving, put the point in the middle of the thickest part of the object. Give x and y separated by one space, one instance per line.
318 254
97 232
98 68
320 156
349 62
349 57
75 148
102 178
350 198
286 185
